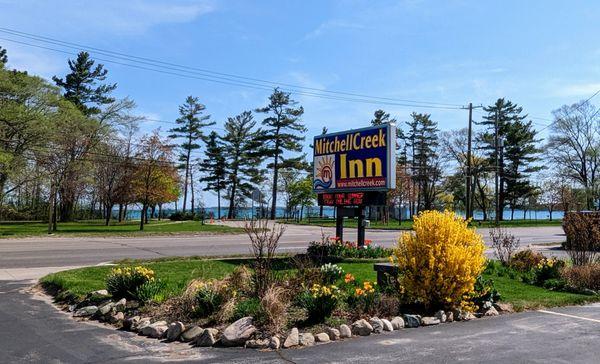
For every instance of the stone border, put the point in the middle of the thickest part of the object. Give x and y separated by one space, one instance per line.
242 333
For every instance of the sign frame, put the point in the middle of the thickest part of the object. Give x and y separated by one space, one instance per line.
390 184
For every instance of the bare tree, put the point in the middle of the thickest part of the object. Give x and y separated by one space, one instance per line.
264 237
504 244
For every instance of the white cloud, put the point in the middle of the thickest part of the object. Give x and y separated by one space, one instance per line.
334 24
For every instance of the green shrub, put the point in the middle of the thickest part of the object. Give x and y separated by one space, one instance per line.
328 250
320 302
124 282
362 299
546 270
151 291
526 260
208 299
247 307
484 292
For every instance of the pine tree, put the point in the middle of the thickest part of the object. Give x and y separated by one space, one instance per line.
3 57
214 168
283 133
516 158
191 122
81 85
243 156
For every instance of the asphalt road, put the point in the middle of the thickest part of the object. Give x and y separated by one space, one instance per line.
39 252
34 331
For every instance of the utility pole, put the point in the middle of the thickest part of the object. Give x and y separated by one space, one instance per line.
468 208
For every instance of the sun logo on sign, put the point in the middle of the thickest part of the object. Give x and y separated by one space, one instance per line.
324 172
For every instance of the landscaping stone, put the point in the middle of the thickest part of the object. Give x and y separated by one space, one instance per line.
238 332
504 307
412 320
387 325
429 321
205 339
441 315
491 312
130 322
275 343
293 339
322 337
191 333
117 318
144 322
334 334
362 328
397 323
449 316
174 331
121 305
155 330
105 308
258 343
86 311
377 325
487 305
100 293
306 339
345 331
465 316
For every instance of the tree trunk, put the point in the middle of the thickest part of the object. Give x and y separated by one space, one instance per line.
120 212
142 217
218 204
192 192
109 208
159 211
275 177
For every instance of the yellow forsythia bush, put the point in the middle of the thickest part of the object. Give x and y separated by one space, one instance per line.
439 262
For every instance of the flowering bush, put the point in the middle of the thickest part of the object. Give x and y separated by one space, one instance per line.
210 295
363 298
125 282
331 272
320 301
439 263
526 260
548 268
334 248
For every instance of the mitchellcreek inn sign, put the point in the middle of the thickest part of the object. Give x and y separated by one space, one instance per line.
359 160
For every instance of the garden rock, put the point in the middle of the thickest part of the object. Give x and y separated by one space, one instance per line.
397 323
441 315
191 333
238 332
105 308
487 305
387 325
144 322
99 293
491 312
334 334
345 331
117 318
205 339
121 305
293 339
155 330
306 339
449 316
322 337
174 331
429 321
412 320
504 307
86 311
258 344
362 328
130 322
275 343
377 325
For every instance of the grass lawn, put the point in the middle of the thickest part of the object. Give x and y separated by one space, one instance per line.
96 227
177 273
407 225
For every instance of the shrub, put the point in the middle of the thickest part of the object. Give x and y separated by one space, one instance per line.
209 297
439 263
274 305
526 260
240 280
331 272
151 291
484 292
504 244
363 298
264 238
333 249
125 282
583 237
583 276
181 216
320 301
247 307
547 269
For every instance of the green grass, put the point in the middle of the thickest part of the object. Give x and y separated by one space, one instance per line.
177 273
407 224
96 227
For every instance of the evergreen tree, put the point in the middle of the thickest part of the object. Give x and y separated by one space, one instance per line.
243 156
190 124
516 158
214 168
283 133
3 57
81 85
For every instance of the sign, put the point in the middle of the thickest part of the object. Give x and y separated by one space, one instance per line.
355 160
369 198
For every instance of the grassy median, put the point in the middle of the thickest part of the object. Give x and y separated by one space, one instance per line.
97 227
177 273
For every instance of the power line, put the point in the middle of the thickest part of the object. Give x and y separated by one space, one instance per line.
219 76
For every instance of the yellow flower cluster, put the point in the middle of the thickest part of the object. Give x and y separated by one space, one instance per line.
440 261
368 288
318 290
548 262
138 271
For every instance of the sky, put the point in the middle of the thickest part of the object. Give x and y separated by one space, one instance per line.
539 54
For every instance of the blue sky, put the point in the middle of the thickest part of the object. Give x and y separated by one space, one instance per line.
539 54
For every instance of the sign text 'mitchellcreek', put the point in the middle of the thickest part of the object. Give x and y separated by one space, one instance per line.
350 142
